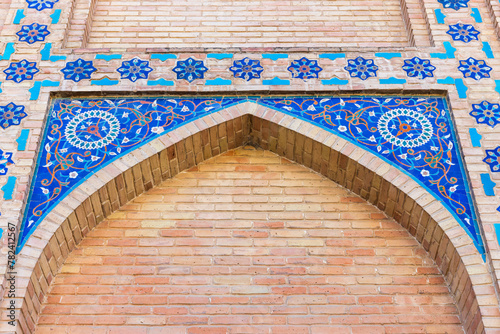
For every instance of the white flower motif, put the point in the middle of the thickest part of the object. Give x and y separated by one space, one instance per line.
453 189
425 173
73 175
402 156
434 148
342 128
371 113
157 129
94 158
44 190
372 139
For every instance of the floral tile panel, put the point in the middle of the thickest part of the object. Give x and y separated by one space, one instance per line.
414 134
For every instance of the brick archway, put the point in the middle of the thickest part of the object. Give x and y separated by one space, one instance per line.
340 161
249 242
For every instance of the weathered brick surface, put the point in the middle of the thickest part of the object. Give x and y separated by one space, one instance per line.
249 240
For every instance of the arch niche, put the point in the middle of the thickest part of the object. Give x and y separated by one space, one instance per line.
350 166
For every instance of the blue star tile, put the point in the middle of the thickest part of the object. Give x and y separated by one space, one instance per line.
78 70
20 71
304 68
486 113
5 161
190 69
463 32
361 68
41 4
246 69
11 114
455 4
33 33
493 159
420 68
475 69
134 69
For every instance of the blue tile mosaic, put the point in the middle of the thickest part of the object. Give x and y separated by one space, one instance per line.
388 55
463 32
304 69
41 4
475 69
413 134
22 140
332 56
33 33
487 50
5 161
419 68
218 82
11 114
476 15
104 82
361 68
274 56
488 184
19 16
163 56
190 69
21 70
486 113
246 69
392 81
78 70
8 51
220 56
439 16
134 69
461 88
475 137
55 16
454 4
110 57
160 82
46 54
493 159
8 188
335 81
276 82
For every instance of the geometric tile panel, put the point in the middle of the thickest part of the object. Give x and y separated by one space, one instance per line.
414 134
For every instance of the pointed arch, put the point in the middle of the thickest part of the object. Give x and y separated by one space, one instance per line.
356 169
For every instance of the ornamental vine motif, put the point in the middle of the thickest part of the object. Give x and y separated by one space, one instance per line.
412 134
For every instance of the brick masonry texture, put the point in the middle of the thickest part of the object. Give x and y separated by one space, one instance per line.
472 282
248 242
247 24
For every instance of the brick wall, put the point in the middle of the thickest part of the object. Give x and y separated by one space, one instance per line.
249 242
473 282
141 24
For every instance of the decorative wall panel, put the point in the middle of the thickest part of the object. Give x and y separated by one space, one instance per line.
414 134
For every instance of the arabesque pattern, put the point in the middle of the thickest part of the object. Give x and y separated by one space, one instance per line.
413 134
